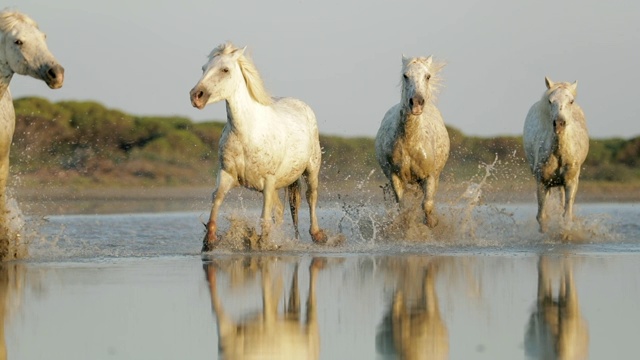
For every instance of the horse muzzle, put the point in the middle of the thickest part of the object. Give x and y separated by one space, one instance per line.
416 104
198 98
54 76
559 125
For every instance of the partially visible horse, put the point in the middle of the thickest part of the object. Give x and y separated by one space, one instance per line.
270 334
556 143
412 144
267 143
23 50
556 328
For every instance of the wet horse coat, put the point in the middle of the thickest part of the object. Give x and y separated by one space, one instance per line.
556 143
412 144
267 144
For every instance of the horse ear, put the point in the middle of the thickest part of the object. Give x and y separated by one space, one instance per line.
574 86
238 52
548 82
405 60
428 60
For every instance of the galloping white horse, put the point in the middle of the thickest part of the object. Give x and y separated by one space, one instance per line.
267 144
556 143
412 145
23 50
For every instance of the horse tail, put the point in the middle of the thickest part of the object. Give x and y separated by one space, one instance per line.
293 194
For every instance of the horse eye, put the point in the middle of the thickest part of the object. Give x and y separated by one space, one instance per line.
405 76
571 102
226 70
428 76
18 42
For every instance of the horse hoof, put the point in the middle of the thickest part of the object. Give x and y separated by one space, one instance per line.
431 221
209 242
319 237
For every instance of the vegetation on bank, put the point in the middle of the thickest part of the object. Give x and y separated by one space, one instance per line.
83 143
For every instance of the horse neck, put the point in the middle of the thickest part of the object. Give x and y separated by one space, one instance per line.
5 71
410 122
243 111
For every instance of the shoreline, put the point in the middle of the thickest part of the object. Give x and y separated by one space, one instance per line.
103 200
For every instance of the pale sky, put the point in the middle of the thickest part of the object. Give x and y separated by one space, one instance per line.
343 57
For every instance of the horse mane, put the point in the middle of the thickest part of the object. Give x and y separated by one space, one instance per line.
252 78
9 19
435 82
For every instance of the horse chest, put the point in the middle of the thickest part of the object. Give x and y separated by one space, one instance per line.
413 161
251 162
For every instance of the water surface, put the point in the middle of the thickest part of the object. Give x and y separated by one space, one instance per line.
487 286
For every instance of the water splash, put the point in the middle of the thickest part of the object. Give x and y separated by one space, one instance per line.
465 220
11 226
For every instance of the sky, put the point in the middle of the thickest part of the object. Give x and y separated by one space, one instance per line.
343 57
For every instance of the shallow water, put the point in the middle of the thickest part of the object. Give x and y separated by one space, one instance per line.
135 286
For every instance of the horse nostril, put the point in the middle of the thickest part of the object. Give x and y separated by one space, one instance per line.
52 73
421 102
411 102
199 94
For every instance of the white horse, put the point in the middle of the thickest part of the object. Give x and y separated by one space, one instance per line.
556 143
267 144
23 50
412 145
270 334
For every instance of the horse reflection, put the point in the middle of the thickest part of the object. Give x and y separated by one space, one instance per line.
11 285
414 331
269 334
556 328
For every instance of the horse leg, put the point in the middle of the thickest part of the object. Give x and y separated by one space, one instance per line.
278 209
293 192
543 193
268 192
4 230
429 190
398 188
317 235
571 187
225 183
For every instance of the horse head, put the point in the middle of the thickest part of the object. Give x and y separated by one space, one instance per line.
23 47
416 83
220 76
561 97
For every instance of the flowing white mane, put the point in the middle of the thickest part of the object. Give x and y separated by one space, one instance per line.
249 72
9 19
435 82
